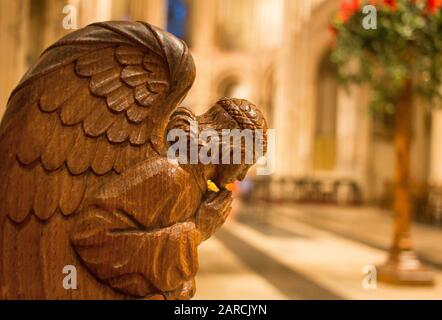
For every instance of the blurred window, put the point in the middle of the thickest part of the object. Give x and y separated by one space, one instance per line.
177 18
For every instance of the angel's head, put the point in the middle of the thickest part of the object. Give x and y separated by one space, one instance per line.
231 117
240 130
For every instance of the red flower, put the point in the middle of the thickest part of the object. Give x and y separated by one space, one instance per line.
433 5
333 32
347 9
391 4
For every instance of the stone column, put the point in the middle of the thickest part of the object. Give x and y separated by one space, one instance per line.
294 88
202 23
352 143
363 137
90 11
151 11
436 149
346 130
435 177
53 22
268 29
14 17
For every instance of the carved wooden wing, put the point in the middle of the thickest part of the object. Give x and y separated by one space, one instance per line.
97 102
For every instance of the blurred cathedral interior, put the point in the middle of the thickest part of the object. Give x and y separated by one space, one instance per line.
308 230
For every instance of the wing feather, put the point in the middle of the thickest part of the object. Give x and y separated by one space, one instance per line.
59 146
105 82
144 96
49 101
35 135
47 192
152 64
95 62
82 154
120 99
104 157
139 134
98 121
72 189
135 75
78 107
120 130
129 55
86 113
157 86
20 188
137 114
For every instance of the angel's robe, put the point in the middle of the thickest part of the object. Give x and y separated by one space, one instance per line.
136 234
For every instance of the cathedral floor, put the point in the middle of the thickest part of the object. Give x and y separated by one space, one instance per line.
308 252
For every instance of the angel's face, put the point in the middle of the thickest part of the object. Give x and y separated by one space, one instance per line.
238 114
228 173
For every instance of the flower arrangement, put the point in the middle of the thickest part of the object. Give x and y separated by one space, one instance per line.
400 55
406 44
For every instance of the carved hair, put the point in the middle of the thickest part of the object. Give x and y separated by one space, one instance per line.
246 115
232 114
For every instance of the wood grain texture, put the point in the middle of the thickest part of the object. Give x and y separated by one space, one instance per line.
85 178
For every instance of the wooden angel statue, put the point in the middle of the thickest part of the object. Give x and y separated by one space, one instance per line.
85 178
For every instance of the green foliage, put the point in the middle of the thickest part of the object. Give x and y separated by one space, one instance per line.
407 44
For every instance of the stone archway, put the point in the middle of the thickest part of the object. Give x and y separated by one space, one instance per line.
266 99
231 86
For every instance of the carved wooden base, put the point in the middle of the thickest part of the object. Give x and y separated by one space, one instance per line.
404 268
